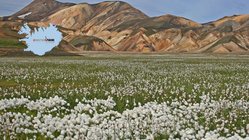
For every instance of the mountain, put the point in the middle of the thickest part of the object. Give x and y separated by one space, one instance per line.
138 33
117 26
40 9
95 17
239 19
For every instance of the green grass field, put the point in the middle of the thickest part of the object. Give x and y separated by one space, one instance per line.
104 96
11 43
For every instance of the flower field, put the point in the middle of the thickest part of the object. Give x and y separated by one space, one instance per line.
101 96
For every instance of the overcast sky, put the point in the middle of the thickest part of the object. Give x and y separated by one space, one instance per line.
197 10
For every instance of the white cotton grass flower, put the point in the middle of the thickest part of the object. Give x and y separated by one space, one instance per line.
159 98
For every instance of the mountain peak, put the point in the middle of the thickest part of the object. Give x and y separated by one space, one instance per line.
39 9
240 19
44 1
107 14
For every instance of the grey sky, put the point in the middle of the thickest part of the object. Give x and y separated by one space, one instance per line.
197 10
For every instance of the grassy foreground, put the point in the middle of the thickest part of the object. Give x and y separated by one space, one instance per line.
124 97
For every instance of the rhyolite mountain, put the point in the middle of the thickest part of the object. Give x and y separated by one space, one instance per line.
39 9
116 26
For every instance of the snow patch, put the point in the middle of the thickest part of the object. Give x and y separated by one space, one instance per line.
24 15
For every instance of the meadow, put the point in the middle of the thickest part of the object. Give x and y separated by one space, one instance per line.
104 96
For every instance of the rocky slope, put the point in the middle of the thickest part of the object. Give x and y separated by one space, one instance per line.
40 9
117 26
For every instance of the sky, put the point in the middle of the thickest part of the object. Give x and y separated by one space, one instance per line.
198 10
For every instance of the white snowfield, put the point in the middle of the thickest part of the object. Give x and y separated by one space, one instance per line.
24 15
